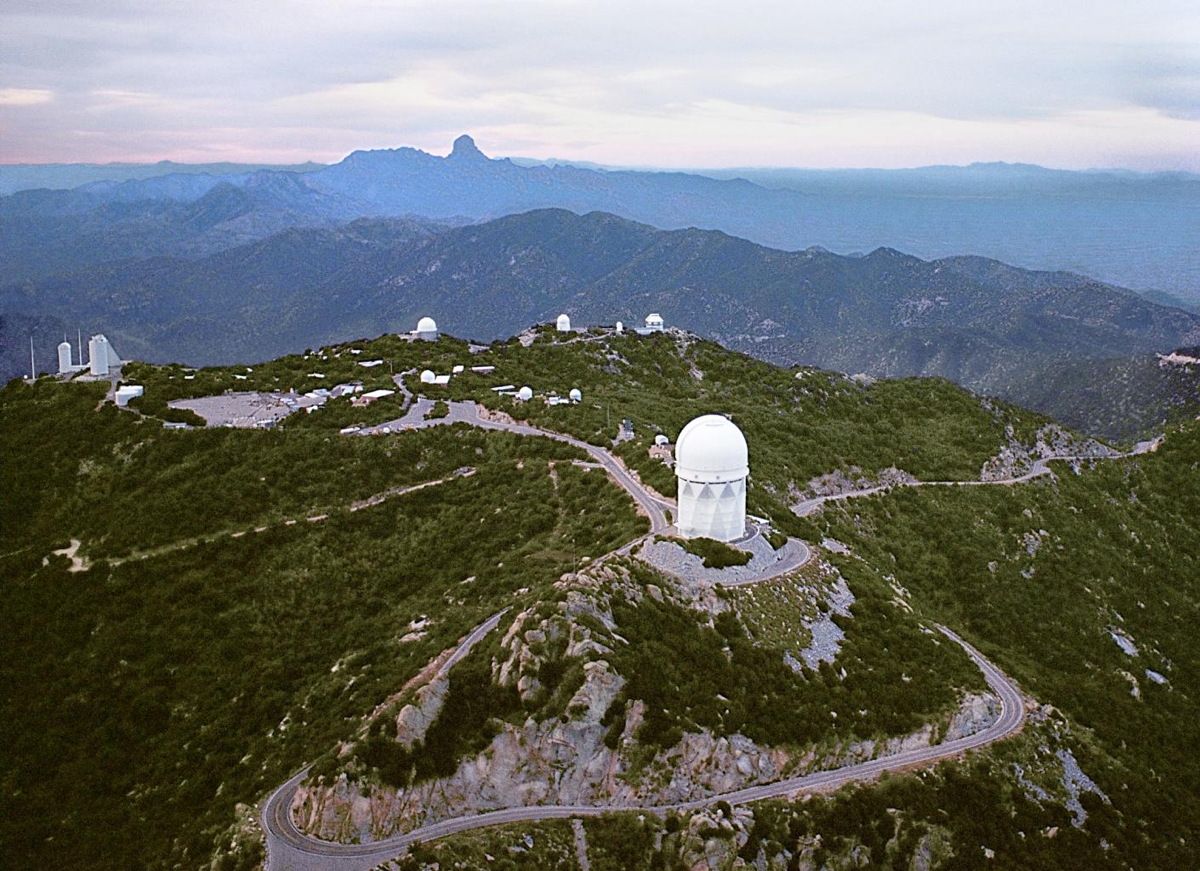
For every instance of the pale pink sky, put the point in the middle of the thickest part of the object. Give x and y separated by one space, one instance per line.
1068 84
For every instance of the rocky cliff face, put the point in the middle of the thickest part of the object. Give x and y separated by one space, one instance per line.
564 758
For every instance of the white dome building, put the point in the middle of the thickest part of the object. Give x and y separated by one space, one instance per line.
64 358
427 329
620 328
564 323
428 377
654 322
525 394
575 395
711 465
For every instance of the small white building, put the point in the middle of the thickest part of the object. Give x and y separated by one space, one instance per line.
427 330
428 377
661 440
711 467
654 323
563 325
575 395
525 393
127 392
620 328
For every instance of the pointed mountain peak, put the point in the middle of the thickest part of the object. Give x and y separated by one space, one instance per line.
465 149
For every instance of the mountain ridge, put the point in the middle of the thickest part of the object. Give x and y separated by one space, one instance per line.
981 323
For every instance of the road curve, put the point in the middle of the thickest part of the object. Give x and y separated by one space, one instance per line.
289 849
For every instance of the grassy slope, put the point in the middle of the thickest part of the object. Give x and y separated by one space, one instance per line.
183 664
142 701
1120 549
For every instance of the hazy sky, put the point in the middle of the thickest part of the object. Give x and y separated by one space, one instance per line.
837 83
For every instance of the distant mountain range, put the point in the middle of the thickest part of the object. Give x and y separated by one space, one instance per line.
976 321
1126 228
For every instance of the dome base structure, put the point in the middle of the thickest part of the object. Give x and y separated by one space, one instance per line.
712 510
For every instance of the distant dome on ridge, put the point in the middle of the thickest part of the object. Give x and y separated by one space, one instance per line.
427 325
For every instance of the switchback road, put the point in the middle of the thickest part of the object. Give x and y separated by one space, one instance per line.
289 849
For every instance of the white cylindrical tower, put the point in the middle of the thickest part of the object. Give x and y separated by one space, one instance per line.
711 467
64 358
98 354
427 329
620 327
564 323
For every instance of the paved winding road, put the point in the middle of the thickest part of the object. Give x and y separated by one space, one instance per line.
653 506
289 849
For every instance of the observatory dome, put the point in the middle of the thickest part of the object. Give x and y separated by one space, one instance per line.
426 325
711 448
575 395
525 394
711 465
427 377
564 323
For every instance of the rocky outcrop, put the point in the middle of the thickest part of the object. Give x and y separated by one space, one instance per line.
1017 458
563 757
849 481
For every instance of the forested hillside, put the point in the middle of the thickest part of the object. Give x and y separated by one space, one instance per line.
197 613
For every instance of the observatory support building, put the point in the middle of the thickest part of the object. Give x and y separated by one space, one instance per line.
711 467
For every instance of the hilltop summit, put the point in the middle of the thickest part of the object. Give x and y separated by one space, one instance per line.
466 149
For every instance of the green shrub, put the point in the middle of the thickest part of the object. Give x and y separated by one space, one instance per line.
716 554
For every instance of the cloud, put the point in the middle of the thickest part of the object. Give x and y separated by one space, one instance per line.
24 96
620 81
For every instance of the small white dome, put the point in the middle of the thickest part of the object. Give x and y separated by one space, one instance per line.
426 325
525 394
575 395
710 449
427 377
564 323
661 440
620 327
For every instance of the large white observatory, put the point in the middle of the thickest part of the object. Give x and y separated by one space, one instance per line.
101 354
711 465
427 329
563 324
